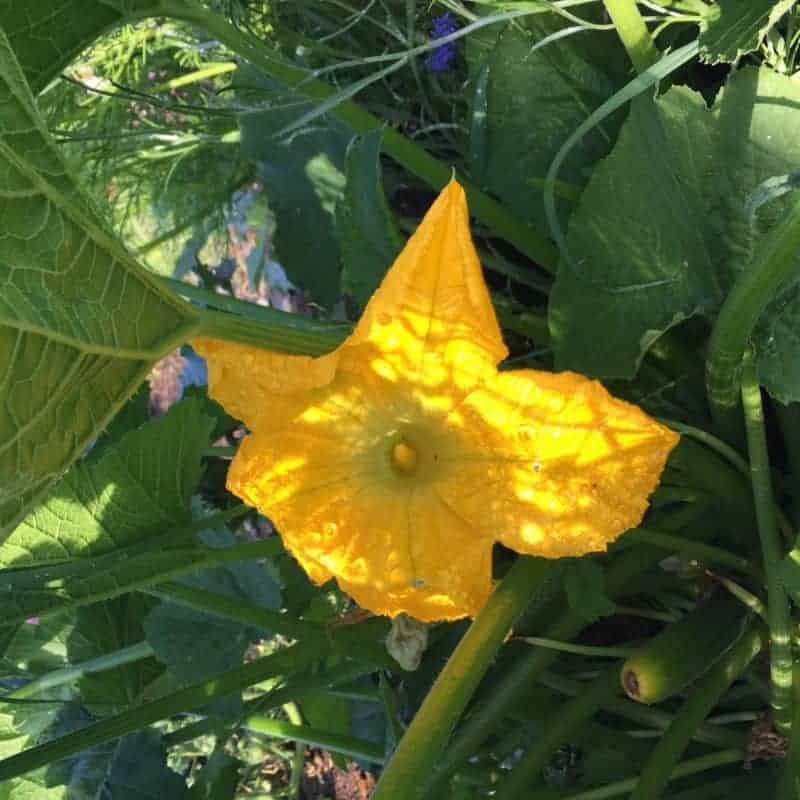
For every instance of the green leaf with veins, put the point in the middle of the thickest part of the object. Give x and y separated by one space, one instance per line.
303 173
732 28
48 36
80 321
671 218
536 98
364 226
138 488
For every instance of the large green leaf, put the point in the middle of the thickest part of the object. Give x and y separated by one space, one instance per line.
303 173
80 321
48 35
669 220
364 226
139 488
731 28
195 645
535 99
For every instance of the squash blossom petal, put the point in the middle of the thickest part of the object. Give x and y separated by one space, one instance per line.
394 463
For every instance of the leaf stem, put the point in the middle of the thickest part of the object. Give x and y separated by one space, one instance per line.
61 677
279 333
778 616
706 693
419 750
578 649
758 284
633 32
292 659
690 767
336 742
641 714
688 547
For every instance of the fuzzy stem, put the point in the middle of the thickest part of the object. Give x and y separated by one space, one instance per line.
633 32
758 284
778 615
421 747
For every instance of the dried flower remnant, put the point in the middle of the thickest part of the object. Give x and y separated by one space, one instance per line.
442 57
395 462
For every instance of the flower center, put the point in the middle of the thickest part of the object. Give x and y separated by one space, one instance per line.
403 457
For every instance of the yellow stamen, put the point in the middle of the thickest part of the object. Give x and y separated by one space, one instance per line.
404 457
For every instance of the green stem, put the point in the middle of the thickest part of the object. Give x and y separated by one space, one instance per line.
405 151
571 716
702 552
712 442
291 691
778 616
506 692
67 675
649 716
283 662
175 563
421 747
633 32
686 768
756 286
578 649
273 621
333 332
789 782
299 756
274 334
336 742
236 609
705 694
789 422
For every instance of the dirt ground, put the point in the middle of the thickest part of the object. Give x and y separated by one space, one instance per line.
323 780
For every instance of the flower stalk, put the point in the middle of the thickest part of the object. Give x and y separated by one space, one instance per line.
420 748
778 615
633 32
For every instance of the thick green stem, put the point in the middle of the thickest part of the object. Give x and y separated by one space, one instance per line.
578 711
506 692
755 287
283 662
336 742
276 334
421 747
405 151
778 616
67 675
705 694
633 32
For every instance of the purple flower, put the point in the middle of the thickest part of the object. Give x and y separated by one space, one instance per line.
442 57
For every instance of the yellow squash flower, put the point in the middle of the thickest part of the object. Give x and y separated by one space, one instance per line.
394 463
